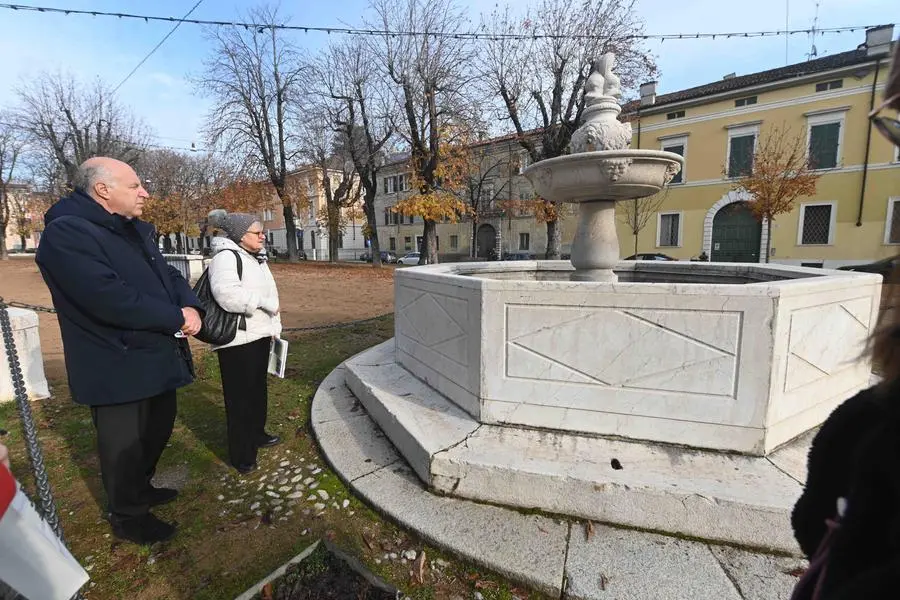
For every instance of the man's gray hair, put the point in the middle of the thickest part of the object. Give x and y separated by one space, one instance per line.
87 175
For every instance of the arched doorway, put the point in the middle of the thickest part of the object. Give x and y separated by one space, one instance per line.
736 234
486 240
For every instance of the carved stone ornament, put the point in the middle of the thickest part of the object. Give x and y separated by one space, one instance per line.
671 171
615 167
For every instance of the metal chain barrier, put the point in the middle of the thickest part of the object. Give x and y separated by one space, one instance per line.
46 506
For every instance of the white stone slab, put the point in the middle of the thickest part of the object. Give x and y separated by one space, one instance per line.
759 576
708 495
624 564
792 458
419 421
28 349
526 548
739 367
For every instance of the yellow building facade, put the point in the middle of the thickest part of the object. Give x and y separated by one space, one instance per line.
853 218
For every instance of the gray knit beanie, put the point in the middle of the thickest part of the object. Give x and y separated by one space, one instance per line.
235 225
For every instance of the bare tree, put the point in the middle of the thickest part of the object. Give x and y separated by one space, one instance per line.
12 146
68 122
329 153
256 79
636 214
539 80
430 73
360 111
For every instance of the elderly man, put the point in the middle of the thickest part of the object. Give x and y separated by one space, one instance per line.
123 313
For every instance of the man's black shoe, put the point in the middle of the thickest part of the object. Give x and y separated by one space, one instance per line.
268 440
144 530
244 469
160 495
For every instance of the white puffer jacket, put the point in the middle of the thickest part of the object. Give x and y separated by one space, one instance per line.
253 295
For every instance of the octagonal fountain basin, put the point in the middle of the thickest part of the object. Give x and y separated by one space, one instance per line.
732 357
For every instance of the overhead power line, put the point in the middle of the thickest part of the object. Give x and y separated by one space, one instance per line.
156 47
475 35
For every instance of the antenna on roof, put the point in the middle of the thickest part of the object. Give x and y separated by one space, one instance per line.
813 53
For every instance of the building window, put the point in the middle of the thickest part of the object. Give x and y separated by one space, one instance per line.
668 230
678 114
741 146
267 214
524 241
454 242
396 183
387 216
745 101
825 138
677 145
830 85
392 243
816 224
407 243
892 223
411 218
524 161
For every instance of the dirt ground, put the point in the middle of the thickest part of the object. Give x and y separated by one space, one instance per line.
311 293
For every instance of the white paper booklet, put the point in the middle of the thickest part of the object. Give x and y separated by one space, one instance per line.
278 357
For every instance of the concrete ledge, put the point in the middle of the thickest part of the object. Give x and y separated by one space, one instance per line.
28 348
550 555
708 495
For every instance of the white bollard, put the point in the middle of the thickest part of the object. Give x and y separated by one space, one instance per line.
28 347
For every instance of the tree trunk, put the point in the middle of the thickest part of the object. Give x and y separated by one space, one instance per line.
334 233
553 241
4 253
473 251
22 241
768 238
374 246
290 230
179 243
635 241
429 253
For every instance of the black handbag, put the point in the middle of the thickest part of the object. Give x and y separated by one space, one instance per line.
219 325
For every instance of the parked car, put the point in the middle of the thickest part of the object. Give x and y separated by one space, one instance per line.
650 256
884 267
387 257
519 255
410 259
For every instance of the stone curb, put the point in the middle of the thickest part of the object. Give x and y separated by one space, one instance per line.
257 587
547 554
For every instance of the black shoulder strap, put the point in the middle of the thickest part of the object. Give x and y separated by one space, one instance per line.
240 263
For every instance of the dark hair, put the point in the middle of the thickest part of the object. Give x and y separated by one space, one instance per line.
884 345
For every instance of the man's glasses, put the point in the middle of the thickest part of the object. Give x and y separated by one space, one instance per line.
889 128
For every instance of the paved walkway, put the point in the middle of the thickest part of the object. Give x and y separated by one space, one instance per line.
558 556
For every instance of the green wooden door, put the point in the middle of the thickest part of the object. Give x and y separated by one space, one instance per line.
736 235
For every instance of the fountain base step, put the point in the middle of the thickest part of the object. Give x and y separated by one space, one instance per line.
722 497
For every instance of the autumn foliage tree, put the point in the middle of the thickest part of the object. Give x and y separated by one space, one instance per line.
780 175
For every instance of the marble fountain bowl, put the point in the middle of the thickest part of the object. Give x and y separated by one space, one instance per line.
621 174
730 357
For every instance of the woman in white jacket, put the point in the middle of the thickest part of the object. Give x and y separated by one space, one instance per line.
244 361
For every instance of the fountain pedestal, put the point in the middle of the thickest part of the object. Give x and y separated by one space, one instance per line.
595 250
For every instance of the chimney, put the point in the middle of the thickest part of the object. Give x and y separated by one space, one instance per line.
878 40
648 93
729 76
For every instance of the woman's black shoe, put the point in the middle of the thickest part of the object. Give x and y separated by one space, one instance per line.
268 440
244 469
144 530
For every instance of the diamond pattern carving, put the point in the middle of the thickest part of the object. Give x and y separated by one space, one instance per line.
668 350
825 340
436 322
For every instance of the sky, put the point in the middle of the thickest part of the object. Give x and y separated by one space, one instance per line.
161 93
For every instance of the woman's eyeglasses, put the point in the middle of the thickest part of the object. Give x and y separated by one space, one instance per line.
889 128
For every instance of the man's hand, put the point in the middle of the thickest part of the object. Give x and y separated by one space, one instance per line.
192 321
4 456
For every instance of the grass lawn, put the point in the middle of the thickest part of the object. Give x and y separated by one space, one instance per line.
232 529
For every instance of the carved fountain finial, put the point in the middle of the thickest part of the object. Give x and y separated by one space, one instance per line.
601 129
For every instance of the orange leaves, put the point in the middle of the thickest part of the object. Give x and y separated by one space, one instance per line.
164 213
434 206
780 175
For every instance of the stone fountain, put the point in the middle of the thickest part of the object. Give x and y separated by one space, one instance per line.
673 397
